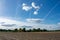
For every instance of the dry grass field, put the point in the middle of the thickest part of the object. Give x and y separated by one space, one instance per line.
29 35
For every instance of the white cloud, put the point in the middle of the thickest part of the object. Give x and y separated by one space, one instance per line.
58 23
25 7
12 24
8 25
35 12
24 4
31 23
34 6
8 22
33 20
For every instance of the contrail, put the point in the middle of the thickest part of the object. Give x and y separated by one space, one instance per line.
51 10
17 9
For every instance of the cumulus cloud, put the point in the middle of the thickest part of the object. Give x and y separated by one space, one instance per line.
25 7
34 6
35 12
32 20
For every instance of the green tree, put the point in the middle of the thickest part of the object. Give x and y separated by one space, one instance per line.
44 30
29 30
20 30
15 30
38 30
34 30
24 30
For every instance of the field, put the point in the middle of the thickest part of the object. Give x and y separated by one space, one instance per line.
29 35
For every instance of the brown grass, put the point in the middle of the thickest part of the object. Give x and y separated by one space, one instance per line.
29 35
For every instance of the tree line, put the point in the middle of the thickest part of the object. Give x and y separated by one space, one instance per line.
30 30
24 30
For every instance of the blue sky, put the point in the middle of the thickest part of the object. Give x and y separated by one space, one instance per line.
37 12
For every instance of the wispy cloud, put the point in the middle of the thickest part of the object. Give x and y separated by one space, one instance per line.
51 10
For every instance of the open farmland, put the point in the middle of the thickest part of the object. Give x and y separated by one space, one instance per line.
29 35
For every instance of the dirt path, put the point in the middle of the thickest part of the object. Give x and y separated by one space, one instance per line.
30 36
